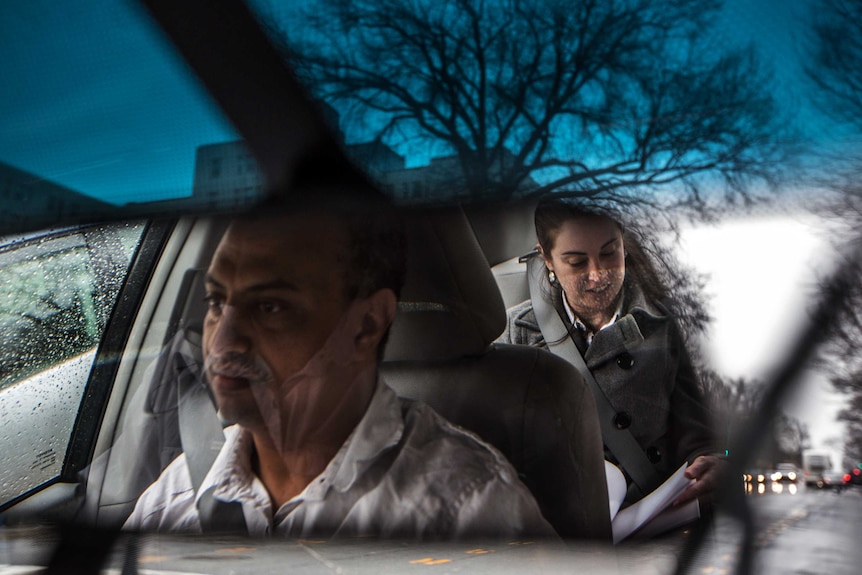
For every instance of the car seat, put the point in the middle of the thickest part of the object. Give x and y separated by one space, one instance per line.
531 405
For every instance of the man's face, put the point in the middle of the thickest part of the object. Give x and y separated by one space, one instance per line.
276 292
588 259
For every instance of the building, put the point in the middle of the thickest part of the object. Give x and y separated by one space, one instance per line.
25 197
227 177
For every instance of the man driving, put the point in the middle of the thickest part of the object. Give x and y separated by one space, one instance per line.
299 305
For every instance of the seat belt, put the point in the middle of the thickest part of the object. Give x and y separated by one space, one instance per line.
220 517
202 438
620 442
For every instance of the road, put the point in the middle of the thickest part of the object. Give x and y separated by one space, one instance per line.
797 531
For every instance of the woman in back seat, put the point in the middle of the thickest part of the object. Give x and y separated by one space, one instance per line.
606 292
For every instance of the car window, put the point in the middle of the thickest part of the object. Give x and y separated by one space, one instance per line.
60 289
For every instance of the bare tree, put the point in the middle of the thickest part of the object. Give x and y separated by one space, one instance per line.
835 70
851 415
790 437
837 58
594 97
732 401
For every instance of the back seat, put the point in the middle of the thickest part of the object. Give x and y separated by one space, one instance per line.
531 405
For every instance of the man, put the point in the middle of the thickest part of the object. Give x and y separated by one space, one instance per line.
299 306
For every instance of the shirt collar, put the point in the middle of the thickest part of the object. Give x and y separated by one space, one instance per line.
231 473
576 321
378 430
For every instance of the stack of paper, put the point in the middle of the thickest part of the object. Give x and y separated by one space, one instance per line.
653 514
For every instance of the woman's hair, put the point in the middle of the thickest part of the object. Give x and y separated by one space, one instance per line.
552 213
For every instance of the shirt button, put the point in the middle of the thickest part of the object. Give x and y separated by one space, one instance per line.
653 454
625 360
622 420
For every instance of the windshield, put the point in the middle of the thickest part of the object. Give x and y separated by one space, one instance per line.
719 140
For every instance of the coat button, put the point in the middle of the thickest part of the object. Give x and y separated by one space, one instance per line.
622 420
625 360
653 454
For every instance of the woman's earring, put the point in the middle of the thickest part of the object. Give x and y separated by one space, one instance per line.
552 278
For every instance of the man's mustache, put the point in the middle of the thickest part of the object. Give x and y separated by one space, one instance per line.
238 365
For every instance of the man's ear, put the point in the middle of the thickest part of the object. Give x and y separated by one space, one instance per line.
377 314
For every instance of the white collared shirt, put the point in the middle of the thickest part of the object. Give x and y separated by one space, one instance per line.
441 481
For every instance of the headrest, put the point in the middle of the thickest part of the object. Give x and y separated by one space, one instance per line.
450 306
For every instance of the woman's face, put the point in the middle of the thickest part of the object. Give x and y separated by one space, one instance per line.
588 259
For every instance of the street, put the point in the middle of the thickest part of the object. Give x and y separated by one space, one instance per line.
797 531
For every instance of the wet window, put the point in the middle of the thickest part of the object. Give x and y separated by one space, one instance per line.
59 290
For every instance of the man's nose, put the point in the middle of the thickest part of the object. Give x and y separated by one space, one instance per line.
230 332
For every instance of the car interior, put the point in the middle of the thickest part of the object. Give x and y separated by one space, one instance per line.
463 273
531 405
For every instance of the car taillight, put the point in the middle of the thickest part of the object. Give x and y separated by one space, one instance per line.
846 478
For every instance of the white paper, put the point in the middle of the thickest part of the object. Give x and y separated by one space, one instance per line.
670 518
626 521
616 487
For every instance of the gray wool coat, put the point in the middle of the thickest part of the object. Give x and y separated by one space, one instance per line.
641 364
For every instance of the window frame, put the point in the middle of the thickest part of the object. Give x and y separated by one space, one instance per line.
93 406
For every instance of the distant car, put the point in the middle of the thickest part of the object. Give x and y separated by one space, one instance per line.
835 480
756 476
853 477
785 472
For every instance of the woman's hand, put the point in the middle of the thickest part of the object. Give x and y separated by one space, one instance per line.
708 471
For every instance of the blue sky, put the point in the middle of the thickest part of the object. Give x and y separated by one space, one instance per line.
93 97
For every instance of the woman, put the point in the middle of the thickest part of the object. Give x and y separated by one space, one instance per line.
608 294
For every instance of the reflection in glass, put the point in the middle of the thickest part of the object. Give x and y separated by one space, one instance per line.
576 107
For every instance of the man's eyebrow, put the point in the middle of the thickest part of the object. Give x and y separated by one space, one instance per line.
276 284
208 279
577 253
